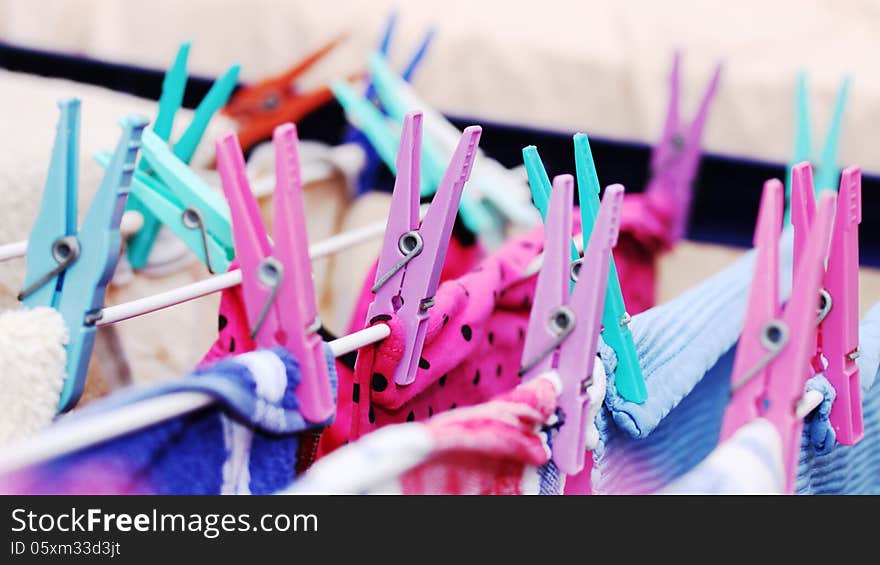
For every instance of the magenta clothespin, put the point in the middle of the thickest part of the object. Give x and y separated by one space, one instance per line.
675 158
412 255
773 358
563 331
838 334
277 286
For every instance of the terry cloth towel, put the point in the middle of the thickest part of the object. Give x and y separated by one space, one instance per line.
498 447
686 350
472 350
245 444
32 370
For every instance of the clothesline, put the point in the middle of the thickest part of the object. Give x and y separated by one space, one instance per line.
62 439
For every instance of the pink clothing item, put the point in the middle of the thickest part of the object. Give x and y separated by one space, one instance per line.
645 232
472 349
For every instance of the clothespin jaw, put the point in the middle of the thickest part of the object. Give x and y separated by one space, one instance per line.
675 158
628 375
69 269
170 101
563 331
413 254
277 285
773 359
838 340
827 169
259 108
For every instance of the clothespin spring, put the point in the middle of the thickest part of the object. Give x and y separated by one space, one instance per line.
410 244
774 336
65 250
192 218
271 274
561 322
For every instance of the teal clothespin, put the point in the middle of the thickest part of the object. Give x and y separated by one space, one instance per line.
827 171
170 101
68 268
628 376
384 134
178 198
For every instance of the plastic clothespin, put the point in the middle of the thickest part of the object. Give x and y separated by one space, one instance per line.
773 358
277 286
628 376
827 169
494 183
178 198
675 157
353 135
170 101
385 136
563 330
259 108
413 254
838 333
68 268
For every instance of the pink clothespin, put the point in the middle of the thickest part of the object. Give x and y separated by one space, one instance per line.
277 286
838 334
675 158
563 330
773 357
413 254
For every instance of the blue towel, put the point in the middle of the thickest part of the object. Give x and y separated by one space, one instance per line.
245 443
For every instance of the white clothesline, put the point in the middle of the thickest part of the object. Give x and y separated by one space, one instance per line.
62 439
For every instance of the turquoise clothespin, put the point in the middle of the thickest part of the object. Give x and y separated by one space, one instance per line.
173 87
384 134
628 376
68 268
827 171
178 198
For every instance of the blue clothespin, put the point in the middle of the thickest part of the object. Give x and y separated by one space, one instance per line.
372 159
827 170
173 87
69 269
628 376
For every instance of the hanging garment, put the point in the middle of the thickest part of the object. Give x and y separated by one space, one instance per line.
497 447
472 349
32 370
247 443
686 350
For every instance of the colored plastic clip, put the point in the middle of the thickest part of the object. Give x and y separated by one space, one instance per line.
412 254
385 136
353 135
258 108
563 331
628 376
69 269
838 333
183 202
277 287
773 358
173 87
492 182
675 158
827 171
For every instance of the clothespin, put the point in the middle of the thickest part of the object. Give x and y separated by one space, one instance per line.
386 137
259 108
628 376
170 101
178 198
838 332
675 157
773 358
493 183
412 256
827 169
277 286
68 268
353 135
563 330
